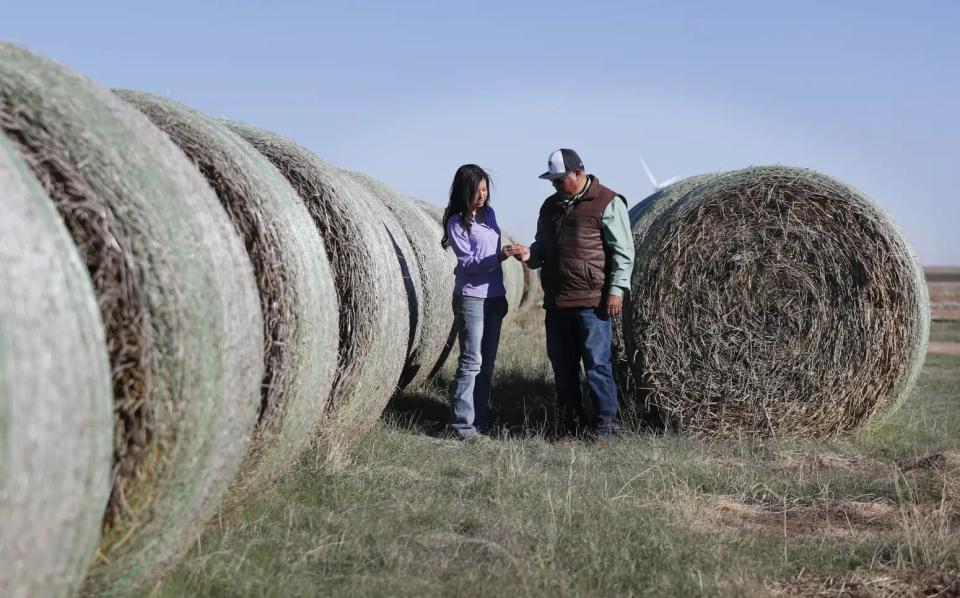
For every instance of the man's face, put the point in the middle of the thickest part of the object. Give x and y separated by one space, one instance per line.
570 184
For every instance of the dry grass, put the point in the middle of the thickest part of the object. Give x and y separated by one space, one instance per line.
416 514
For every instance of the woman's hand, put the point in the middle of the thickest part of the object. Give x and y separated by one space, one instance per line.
506 251
521 253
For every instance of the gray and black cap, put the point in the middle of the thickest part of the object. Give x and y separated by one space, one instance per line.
562 162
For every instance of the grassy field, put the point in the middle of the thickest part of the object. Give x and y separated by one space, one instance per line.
415 514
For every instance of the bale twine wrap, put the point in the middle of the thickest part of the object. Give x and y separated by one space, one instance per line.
374 315
772 300
297 296
56 405
432 280
177 297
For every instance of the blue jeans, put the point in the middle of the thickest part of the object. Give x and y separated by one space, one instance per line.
575 335
477 322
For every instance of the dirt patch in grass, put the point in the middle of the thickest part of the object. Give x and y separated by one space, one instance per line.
833 519
900 583
948 461
815 464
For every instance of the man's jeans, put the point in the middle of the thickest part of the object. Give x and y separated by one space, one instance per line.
477 322
576 334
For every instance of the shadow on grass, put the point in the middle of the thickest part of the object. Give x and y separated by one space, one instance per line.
520 406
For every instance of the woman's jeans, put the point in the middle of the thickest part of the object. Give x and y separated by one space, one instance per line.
477 322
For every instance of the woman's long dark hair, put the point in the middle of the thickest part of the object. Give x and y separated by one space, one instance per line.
464 187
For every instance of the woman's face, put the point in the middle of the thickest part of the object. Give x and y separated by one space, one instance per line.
479 197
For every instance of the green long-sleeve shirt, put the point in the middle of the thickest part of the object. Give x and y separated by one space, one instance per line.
617 239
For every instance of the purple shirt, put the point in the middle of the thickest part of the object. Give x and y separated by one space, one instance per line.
478 272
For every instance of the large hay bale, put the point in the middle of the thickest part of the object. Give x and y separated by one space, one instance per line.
409 262
297 296
374 316
772 300
56 406
177 298
433 281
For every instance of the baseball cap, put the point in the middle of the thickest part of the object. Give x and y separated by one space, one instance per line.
560 163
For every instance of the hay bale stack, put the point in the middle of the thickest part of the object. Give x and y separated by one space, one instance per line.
432 318
55 400
772 300
374 315
177 297
297 296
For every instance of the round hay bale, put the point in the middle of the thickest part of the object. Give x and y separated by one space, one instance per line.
448 281
772 300
361 246
56 406
177 297
297 296
514 278
408 261
432 318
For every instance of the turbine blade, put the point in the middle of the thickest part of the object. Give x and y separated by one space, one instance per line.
669 182
653 181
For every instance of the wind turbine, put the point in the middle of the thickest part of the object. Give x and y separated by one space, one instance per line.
653 181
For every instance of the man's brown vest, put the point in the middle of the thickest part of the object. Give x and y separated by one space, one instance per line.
575 264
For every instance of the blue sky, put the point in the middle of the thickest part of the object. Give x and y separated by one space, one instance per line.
868 92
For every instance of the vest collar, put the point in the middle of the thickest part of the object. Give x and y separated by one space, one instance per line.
589 192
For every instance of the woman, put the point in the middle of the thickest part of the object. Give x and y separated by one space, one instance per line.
479 298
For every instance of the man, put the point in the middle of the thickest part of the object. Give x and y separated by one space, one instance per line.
584 247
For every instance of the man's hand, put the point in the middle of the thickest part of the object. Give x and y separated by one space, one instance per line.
521 253
613 305
506 251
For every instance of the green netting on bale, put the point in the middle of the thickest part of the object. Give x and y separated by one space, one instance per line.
410 268
434 281
56 405
436 214
771 300
297 296
177 297
362 248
